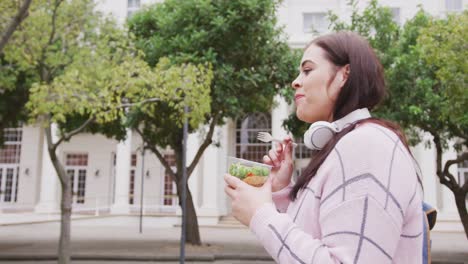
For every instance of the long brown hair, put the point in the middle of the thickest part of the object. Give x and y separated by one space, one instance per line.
365 87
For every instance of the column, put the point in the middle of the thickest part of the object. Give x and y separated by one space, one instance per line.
228 143
122 175
214 167
426 158
213 163
278 115
50 189
193 144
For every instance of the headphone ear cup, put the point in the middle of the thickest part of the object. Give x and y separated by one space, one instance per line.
318 135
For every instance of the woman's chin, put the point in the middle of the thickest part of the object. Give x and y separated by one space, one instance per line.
301 116
305 116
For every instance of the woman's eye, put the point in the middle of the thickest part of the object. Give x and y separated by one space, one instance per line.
306 71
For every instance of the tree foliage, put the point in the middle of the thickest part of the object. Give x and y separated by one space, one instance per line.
85 71
250 58
443 45
239 38
14 93
12 13
14 83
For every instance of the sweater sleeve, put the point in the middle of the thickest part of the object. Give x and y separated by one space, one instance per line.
281 199
350 235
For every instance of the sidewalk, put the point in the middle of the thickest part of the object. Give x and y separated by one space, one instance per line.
38 242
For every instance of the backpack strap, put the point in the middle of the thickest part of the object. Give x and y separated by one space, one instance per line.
431 214
429 220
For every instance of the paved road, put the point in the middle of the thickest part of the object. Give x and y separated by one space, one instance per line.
37 243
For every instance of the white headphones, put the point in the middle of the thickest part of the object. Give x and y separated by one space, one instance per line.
320 132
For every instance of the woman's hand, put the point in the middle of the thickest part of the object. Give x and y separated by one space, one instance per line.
246 199
282 162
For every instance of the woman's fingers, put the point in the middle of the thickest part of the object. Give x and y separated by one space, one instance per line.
288 146
282 151
279 148
267 160
274 158
229 191
232 181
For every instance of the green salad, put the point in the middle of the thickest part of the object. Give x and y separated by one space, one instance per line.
241 171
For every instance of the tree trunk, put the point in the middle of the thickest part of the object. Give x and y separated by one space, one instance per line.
64 251
460 200
447 179
192 232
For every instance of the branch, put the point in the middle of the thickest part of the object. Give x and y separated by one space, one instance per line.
208 140
67 136
465 187
159 155
49 42
51 147
444 179
93 117
449 163
460 159
54 17
142 102
14 23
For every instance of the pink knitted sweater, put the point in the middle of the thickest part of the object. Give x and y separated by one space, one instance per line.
362 206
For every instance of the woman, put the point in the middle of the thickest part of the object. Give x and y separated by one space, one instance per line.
359 200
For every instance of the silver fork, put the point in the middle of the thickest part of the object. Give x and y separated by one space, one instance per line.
267 137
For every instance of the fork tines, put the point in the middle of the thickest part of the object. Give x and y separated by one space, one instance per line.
262 136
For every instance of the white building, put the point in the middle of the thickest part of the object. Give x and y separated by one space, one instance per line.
107 175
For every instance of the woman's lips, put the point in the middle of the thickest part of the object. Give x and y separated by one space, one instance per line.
297 97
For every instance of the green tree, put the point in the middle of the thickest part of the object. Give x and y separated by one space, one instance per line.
86 73
442 47
14 82
250 60
14 93
426 97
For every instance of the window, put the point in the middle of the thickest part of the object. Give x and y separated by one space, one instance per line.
10 173
315 22
77 160
396 15
9 164
11 151
132 7
133 3
169 196
453 5
76 168
247 145
131 189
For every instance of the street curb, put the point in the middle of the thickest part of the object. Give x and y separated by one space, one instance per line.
214 257
203 258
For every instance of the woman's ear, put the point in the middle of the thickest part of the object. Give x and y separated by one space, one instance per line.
344 74
338 82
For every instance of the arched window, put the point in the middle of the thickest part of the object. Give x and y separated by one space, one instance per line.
247 145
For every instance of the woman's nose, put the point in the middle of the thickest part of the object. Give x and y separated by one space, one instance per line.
296 84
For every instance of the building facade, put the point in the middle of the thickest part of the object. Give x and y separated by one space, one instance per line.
116 179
